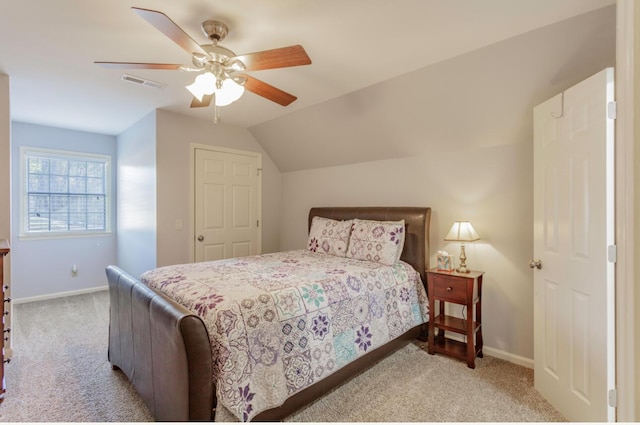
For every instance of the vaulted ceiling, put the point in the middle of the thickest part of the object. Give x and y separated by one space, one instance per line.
48 49
479 99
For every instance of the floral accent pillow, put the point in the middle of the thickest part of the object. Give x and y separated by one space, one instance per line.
377 241
329 236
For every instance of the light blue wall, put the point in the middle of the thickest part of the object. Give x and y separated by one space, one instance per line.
137 197
43 266
5 167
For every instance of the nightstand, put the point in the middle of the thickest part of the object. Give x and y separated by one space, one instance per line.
456 288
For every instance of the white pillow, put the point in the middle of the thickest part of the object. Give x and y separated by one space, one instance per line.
329 236
377 241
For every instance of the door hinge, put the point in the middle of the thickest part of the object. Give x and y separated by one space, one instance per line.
612 110
257 223
613 398
612 253
259 170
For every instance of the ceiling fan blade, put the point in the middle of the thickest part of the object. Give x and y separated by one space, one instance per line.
268 91
206 101
276 58
133 65
169 28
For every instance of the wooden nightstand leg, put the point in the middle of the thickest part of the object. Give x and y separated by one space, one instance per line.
479 345
471 349
430 328
471 355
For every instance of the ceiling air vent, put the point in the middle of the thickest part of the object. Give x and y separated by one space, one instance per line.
142 81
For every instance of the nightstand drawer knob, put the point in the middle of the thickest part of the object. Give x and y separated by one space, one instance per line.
449 289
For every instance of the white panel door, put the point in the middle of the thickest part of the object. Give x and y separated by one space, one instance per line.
227 205
573 228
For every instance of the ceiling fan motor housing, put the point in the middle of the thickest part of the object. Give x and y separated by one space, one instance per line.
215 30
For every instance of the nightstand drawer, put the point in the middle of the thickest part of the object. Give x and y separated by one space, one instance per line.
450 289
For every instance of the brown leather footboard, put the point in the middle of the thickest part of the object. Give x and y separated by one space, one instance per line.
162 348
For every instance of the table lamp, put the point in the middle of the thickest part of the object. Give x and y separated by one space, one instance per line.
462 231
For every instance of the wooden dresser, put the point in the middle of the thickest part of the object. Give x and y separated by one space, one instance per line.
4 250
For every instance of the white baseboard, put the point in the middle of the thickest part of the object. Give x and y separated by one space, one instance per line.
499 354
58 295
513 358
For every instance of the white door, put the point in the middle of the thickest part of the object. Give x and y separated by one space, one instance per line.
227 204
573 233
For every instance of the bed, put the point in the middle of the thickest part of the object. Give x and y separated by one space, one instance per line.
168 353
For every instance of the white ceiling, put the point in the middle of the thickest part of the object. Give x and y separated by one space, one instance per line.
48 48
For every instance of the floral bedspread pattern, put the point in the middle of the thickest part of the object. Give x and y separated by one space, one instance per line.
280 322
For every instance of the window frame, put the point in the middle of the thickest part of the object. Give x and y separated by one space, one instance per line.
26 151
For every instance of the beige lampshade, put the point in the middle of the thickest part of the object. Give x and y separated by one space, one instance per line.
462 231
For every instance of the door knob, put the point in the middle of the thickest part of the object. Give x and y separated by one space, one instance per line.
535 264
200 238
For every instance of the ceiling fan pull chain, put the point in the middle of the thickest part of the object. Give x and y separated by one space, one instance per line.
216 110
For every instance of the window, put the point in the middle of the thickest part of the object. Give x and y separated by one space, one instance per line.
64 193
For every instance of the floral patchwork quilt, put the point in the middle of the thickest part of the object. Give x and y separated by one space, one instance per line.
280 322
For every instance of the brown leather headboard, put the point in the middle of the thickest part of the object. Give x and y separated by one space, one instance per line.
416 219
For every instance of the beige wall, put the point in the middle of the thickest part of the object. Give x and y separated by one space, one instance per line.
175 134
456 136
489 186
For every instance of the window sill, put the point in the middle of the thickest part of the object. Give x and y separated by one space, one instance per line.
62 235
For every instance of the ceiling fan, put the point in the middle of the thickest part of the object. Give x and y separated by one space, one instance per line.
220 77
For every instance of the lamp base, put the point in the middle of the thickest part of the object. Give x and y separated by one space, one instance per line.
463 259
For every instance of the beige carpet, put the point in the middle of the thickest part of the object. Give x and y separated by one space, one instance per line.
60 373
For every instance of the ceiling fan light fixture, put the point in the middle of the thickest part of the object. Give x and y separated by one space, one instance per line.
229 93
204 84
